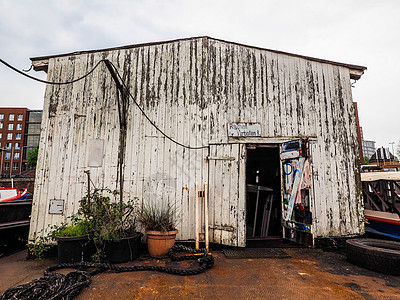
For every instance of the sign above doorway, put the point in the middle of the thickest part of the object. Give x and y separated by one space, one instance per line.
244 129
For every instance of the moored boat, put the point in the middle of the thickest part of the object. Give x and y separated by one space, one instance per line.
381 192
12 194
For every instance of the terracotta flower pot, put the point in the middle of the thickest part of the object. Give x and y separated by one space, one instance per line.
158 242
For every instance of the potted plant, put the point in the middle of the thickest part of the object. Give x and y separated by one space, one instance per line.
114 227
101 230
160 225
73 240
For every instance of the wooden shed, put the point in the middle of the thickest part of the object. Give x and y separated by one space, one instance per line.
272 133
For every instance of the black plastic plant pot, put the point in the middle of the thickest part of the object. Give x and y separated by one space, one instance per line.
122 250
74 249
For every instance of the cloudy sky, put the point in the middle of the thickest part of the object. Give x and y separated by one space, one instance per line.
361 32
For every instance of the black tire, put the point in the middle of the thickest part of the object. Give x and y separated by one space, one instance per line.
373 254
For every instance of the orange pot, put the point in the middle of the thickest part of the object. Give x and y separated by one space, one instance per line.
158 243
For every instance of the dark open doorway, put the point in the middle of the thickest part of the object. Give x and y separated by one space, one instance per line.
263 200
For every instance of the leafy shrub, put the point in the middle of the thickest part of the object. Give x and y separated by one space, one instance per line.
110 219
79 229
98 217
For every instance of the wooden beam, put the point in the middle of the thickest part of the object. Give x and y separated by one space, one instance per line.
356 74
40 65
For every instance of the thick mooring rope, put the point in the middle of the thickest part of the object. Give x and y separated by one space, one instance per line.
58 286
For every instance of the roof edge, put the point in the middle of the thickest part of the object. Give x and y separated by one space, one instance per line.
356 74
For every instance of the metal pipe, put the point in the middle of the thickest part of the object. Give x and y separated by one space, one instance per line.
196 207
206 214
11 162
88 184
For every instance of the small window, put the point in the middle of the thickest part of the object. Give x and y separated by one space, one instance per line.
1 135
8 146
15 166
16 155
8 155
9 136
19 126
20 117
6 166
1 125
18 136
11 117
1 116
17 145
11 126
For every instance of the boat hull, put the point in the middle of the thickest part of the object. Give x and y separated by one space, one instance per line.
383 223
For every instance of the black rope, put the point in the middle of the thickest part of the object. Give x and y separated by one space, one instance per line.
123 83
58 286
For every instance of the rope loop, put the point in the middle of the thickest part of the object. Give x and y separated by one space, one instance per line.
58 286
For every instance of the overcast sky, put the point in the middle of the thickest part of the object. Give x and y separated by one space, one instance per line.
360 32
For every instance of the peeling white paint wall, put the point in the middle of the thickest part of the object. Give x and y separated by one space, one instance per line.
192 89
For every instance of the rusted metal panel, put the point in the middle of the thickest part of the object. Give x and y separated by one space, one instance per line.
192 89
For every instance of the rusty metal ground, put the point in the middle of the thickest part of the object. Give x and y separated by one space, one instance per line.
307 274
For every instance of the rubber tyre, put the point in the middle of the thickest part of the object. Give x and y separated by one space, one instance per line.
373 254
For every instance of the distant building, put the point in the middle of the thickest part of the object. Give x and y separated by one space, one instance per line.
368 148
16 137
382 160
32 131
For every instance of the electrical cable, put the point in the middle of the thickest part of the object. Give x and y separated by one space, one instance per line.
30 68
50 82
124 85
151 122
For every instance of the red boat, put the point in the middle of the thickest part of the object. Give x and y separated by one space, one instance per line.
12 194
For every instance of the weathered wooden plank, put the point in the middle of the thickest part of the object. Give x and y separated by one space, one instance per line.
269 103
39 203
241 203
214 206
330 155
68 150
234 195
321 190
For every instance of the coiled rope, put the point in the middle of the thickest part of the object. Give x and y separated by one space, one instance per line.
58 286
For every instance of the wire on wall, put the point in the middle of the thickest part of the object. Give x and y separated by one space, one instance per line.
124 85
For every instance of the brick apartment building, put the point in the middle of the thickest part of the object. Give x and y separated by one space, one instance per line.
19 134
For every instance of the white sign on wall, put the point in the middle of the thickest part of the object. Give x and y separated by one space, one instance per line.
244 129
56 206
95 153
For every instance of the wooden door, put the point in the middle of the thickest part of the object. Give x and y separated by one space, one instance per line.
227 209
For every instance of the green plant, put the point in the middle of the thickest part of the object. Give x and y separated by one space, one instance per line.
158 217
32 157
75 226
109 219
79 229
98 217
40 247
